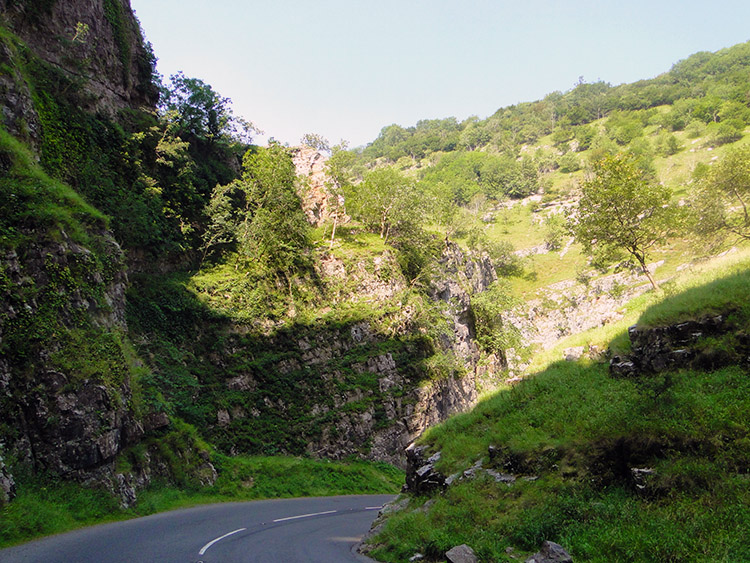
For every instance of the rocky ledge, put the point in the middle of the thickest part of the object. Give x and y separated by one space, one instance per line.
685 345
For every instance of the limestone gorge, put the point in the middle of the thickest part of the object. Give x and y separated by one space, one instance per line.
538 320
100 354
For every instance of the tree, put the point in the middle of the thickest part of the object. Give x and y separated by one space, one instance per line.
201 112
386 201
260 215
340 171
720 201
621 213
316 141
495 334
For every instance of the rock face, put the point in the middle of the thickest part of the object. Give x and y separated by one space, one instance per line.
367 387
310 166
571 307
425 405
550 553
58 299
110 58
461 554
460 277
421 475
677 346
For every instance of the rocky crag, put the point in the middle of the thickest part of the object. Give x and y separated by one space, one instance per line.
68 394
364 387
80 399
707 343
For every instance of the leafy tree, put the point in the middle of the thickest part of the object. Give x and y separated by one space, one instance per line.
260 215
317 142
621 213
721 199
569 162
201 112
554 231
667 144
341 173
386 201
725 132
494 333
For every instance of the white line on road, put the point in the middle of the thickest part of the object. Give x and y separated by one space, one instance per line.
209 544
373 507
304 516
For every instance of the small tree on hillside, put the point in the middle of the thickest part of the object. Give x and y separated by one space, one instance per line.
621 213
386 202
721 198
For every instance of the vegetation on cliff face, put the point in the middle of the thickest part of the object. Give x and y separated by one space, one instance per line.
273 337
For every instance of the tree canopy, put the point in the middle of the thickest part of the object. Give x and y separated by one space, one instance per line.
722 196
621 214
260 214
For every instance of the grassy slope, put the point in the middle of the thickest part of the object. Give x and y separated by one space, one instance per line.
522 225
576 428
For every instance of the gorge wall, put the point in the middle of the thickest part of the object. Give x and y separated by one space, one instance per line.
90 390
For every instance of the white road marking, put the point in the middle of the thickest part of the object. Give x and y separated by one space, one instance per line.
209 544
305 516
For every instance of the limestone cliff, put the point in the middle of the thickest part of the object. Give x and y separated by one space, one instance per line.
97 42
366 387
66 370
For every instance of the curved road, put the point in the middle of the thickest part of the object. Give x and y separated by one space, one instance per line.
305 530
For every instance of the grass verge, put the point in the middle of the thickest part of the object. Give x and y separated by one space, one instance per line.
47 506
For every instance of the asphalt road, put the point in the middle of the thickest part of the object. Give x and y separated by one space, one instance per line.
306 530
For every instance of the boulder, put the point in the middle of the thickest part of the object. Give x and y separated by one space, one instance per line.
461 554
421 475
550 553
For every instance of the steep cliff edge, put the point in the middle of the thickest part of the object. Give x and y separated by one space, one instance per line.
68 375
98 43
362 374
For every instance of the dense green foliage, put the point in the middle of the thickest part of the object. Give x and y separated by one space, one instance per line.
260 216
721 198
710 88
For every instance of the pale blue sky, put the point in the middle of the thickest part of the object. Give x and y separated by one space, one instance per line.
347 68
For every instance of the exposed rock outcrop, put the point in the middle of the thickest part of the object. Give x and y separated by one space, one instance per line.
570 307
367 387
315 192
461 554
421 475
678 346
110 58
550 553
459 277
67 316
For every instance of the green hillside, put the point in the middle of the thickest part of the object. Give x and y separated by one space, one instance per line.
179 302
649 468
